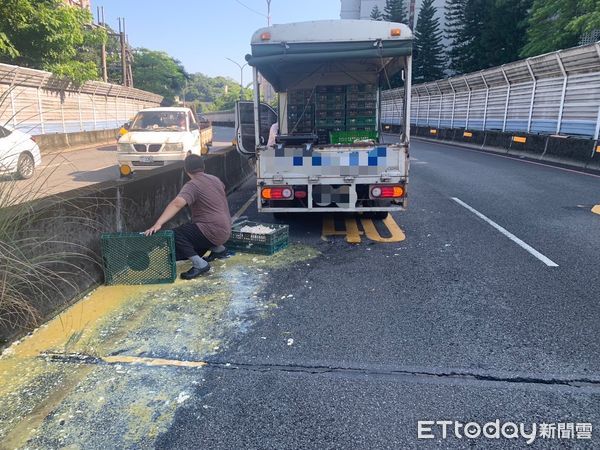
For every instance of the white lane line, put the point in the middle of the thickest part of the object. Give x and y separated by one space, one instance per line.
508 234
243 208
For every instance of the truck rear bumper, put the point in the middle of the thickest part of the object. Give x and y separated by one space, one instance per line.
294 196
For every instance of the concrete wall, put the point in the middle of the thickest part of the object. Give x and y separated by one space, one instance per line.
568 151
74 221
51 143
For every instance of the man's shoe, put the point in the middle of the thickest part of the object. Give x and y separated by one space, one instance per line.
194 272
220 255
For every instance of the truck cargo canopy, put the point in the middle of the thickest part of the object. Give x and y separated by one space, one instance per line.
329 51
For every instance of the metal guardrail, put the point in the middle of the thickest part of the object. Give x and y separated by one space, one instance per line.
555 93
38 102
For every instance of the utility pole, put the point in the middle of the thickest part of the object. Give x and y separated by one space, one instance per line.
411 15
241 76
102 23
123 50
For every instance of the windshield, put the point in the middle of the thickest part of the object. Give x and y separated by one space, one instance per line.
159 121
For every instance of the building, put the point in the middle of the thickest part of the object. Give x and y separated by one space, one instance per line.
85 4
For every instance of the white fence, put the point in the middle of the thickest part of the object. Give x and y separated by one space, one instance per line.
37 102
556 93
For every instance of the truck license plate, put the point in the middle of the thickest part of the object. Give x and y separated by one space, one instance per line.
147 159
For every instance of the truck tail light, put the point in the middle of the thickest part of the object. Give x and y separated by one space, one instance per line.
387 191
277 193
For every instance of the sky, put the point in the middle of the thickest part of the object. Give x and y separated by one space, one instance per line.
202 33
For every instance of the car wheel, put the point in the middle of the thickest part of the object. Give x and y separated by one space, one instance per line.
25 166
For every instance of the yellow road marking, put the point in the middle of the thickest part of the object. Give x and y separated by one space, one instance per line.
352 232
397 235
596 209
329 227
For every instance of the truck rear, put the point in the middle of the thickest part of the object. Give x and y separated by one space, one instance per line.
326 151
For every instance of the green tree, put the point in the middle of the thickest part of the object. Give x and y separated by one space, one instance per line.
48 35
394 11
557 24
376 13
466 22
504 33
158 72
454 16
429 58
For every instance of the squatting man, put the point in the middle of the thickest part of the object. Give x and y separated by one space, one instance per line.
210 226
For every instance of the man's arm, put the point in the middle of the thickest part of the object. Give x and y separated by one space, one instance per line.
170 211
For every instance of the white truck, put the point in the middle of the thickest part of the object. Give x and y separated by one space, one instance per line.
160 136
328 154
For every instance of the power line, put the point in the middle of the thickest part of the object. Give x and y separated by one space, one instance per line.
250 9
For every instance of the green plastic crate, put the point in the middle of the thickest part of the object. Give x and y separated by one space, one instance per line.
350 137
263 244
132 258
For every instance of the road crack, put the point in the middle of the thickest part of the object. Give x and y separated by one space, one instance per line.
79 358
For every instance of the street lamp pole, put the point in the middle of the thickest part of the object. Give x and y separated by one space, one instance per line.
241 76
268 13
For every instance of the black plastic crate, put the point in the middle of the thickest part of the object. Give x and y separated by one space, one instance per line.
324 114
330 107
361 96
331 89
294 108
361 112
360 121
299 95
264 244
361 88
362 105
330 122
330 98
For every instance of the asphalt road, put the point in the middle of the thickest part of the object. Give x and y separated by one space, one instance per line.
488 310
456 323
72 169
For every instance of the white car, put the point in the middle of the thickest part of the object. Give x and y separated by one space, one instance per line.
18 153
160 136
